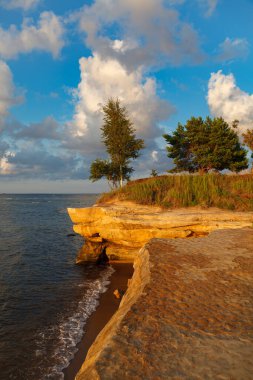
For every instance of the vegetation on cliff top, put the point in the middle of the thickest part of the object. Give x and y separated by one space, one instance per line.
233 192
204 145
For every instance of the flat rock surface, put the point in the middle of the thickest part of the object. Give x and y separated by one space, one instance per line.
194 317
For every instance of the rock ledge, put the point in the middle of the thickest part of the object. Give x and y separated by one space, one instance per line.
187 314
126 227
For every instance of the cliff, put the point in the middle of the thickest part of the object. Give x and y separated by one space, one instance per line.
126 227
188 312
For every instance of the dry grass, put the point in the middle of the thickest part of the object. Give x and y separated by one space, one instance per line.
233 192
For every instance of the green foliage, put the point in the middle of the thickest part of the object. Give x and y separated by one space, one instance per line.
179 149
234 192
109 170
118 135
206 145
153 173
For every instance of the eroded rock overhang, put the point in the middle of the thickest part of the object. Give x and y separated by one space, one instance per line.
126 227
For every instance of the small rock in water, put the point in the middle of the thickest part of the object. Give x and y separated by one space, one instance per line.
118 293
69 235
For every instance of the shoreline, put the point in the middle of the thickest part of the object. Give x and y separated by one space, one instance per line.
107 307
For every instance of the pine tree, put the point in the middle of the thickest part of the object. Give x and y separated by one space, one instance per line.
205 145
118 135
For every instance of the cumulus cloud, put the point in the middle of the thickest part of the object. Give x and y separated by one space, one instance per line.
4 146
40 163
233 48
154 155
7 93
227 100
156 159
6 168
47 35
23 159
48 129
37 150
105 78
23 4
148 32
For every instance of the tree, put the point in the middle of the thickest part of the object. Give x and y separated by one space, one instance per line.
153 173
203 145
105 168
179 150
118 135
248 140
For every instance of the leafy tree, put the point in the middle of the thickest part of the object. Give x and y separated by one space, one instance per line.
179 150
153 173
105 168
118 135
205 145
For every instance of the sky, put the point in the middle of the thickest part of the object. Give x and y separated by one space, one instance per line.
165 60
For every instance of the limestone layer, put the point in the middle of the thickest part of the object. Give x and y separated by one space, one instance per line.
126 227
187 314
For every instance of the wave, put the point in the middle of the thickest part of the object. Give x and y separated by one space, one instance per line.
65 336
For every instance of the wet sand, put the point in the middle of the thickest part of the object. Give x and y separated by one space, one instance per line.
108 305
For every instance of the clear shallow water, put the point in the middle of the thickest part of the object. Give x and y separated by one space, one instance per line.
45 298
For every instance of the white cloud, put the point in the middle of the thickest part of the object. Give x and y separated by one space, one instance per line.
149 32
146 163
227 100
46 36
47 129
26 160
233 48
154 155
7 96
7 168
23 4
209 6
105 78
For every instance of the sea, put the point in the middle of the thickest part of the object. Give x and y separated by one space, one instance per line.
45 298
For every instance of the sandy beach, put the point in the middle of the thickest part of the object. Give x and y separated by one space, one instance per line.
108 305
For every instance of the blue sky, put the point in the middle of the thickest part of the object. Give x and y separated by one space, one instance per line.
165 60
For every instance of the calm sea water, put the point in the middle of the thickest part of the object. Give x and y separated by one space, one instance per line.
45 298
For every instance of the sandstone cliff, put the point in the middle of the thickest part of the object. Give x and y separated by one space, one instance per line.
126 227
187 314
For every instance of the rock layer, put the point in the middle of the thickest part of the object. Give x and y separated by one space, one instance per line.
187 314
126 227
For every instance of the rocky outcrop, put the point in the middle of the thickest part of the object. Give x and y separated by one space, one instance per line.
126 227
140 279
188 313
